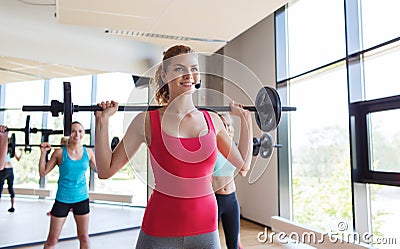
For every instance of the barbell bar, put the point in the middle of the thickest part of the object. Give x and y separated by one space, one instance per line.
267 108
12 145
27 130
2 109
263 146
52 145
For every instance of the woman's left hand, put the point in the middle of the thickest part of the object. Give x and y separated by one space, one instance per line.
243 172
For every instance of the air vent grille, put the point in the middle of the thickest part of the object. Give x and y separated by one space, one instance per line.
160 36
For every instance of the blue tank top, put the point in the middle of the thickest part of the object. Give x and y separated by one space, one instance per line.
8 158
223 167
72 185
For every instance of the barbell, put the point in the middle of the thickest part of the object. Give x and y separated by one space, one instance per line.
28 147
267 108
27 130
263 146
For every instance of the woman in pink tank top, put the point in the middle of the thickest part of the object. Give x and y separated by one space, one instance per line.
183 143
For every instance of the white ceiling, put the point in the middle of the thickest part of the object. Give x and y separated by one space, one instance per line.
43 39
15 70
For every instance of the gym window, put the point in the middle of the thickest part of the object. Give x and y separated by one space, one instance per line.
365 52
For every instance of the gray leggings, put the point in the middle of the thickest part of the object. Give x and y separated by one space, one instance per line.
201 241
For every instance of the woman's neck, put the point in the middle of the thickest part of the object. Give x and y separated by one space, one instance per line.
74 146
181 104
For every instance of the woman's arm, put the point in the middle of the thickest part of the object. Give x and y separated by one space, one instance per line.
109 162
245 144
18 157
3 145
239 156
46 167
92 159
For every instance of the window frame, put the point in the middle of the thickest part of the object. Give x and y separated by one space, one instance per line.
362 168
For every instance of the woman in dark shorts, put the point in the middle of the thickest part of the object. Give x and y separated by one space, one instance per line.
73 161
7 173
6 168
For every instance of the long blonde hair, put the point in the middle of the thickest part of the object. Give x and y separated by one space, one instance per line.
162 91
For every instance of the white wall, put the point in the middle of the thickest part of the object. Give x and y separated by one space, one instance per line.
255 67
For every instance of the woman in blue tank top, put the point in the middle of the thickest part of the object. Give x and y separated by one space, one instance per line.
225 193
73 161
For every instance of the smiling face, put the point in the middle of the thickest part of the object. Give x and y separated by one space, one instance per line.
77 133
181 73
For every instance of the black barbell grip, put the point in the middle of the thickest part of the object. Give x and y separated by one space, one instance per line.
288 108
47 131
225 108
15 129
36 108
93 108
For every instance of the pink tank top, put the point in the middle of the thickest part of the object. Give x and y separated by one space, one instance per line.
183 201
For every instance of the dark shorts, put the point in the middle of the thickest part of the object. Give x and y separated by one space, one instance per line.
61 209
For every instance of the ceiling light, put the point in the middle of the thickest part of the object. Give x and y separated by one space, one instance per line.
160 36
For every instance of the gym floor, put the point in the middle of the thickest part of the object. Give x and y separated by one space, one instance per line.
111 226
29 224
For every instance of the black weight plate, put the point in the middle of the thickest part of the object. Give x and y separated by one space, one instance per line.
27 129
67 109
11 145
256 146
266 145
268 106
114 143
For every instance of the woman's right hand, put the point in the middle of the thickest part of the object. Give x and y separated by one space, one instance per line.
3 130
109 108
44 147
